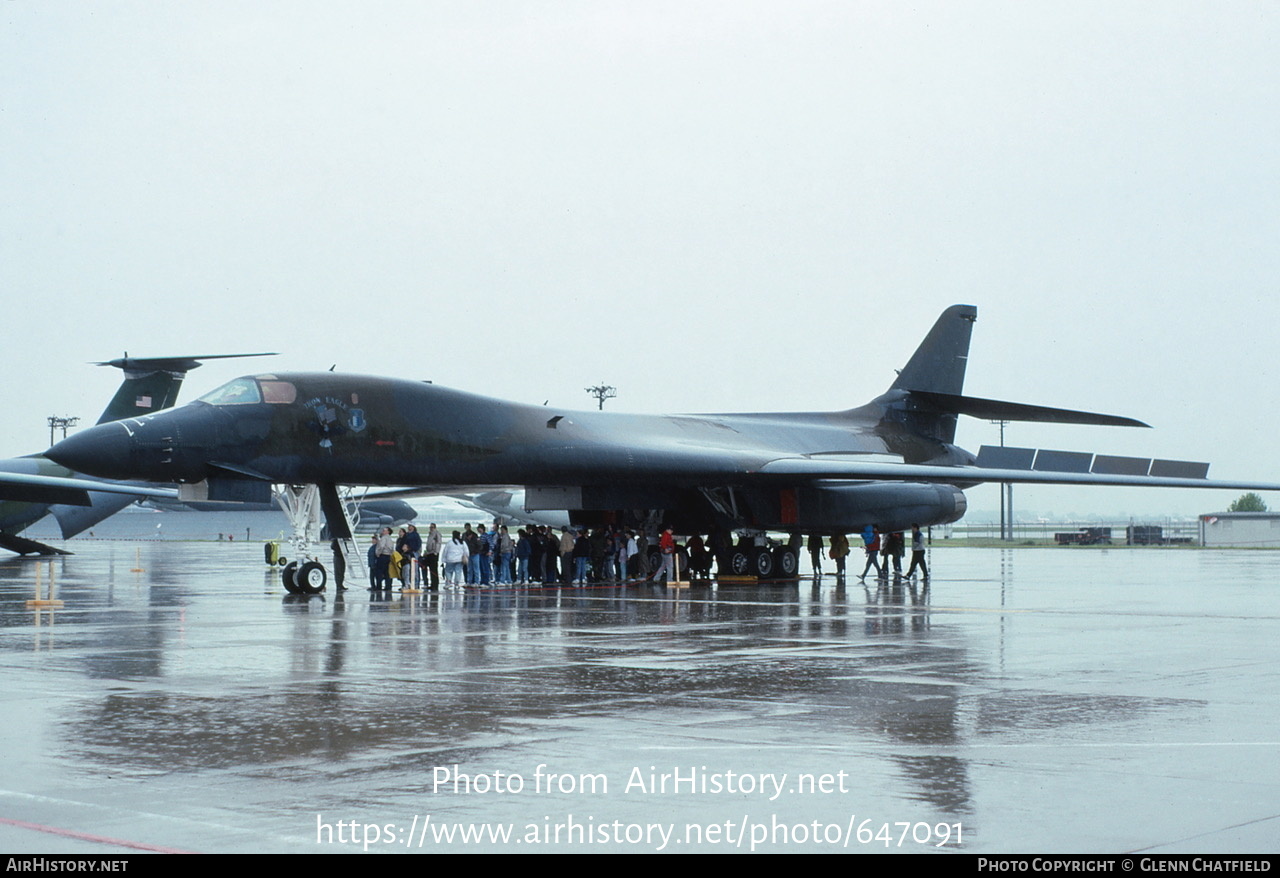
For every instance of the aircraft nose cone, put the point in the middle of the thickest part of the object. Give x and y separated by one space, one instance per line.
104 451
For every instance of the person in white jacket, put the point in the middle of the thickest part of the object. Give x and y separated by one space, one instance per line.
455 557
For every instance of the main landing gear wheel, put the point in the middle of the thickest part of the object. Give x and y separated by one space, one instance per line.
763 564
786 564
286 578
739 562
311 578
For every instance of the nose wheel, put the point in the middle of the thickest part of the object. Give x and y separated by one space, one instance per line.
311 577
307 578
286 578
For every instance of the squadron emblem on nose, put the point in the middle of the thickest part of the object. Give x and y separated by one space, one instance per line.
334 418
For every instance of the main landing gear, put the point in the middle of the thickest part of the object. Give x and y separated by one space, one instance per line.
750 558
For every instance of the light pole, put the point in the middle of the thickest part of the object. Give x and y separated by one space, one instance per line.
1005 488
56 422
602 392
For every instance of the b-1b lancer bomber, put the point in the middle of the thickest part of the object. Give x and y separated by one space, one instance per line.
891 462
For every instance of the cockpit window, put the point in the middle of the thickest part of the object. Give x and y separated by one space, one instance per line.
242 391
279 392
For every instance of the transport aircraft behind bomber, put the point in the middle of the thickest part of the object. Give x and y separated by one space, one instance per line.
32 487
890 462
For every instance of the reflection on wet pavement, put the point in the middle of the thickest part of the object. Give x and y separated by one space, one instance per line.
1028 700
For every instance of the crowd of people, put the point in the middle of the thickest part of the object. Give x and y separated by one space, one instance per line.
890 547
537 555
493 556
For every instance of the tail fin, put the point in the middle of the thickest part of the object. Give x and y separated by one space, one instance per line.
928 394
938 364
152 383
937 367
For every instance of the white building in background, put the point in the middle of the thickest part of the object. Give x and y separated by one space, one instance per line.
1252 530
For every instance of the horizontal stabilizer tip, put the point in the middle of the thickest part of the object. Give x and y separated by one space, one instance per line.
999 410
170 364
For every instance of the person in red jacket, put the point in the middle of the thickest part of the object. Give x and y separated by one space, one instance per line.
667 546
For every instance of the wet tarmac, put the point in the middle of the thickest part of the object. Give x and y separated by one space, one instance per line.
1033 700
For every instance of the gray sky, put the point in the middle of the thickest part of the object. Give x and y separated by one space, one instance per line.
713 206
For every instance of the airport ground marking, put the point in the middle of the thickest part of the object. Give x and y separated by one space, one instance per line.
96 839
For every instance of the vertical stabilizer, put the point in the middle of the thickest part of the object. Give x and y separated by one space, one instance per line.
149 385
152 383
938 364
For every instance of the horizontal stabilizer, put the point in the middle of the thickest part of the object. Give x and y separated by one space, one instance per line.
998 410
170 364
27 546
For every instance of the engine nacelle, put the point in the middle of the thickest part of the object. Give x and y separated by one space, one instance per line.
848 507
831 506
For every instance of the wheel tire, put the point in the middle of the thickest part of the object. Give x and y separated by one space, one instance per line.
311 578
283 561
681 564
739 562
763 564
786 564
286 577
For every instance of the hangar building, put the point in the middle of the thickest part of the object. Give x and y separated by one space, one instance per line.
1240 529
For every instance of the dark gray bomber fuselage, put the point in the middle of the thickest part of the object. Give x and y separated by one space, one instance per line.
368 430
891 462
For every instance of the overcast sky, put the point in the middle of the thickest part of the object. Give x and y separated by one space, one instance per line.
713 206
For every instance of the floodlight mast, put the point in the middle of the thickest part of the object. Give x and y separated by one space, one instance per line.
1006 488
602 392
55 423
